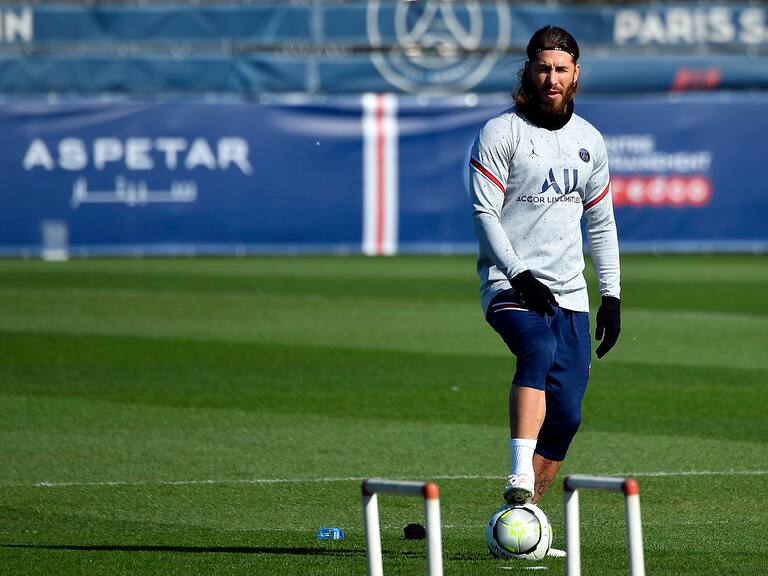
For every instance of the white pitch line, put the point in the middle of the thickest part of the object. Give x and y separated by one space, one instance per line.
260 481
693 473
191 482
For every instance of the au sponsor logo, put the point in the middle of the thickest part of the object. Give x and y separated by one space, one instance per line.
569 181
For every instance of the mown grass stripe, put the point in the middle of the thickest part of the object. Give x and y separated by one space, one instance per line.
203 482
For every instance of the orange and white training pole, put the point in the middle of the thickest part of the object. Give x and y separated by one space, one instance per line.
629 487
431 494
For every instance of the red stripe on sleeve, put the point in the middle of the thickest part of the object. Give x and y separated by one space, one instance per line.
485 172
596 200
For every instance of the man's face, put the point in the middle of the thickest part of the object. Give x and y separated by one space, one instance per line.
553 75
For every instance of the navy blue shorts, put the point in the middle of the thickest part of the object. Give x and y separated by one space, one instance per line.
553 354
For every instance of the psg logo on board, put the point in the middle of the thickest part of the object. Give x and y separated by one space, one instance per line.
435 46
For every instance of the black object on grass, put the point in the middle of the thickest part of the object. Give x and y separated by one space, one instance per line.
414 532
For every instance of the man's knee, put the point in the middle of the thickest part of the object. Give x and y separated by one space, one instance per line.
557 433
570 422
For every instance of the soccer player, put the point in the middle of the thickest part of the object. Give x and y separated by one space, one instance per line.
536 169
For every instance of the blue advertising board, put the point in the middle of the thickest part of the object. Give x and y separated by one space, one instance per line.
377 174
178 175
682 170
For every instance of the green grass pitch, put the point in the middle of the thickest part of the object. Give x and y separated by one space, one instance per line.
206 416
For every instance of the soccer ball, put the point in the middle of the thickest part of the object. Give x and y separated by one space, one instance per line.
519 531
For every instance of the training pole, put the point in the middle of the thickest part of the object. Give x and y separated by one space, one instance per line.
629 487
431 494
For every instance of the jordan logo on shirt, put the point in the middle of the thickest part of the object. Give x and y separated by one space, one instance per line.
533 150
570 178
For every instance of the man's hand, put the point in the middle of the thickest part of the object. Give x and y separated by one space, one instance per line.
608 324
533 294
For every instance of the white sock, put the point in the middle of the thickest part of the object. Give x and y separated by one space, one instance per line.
521 450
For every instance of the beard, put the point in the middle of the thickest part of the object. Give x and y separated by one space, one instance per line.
532 102
559 107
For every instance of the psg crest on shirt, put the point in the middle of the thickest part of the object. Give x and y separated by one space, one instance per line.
437 46
584 154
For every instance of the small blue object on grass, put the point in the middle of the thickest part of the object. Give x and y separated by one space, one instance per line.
330 534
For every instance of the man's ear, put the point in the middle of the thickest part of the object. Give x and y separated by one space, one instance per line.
576 74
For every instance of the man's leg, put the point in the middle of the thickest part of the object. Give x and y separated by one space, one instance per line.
566 384
529 338
545 471
527 408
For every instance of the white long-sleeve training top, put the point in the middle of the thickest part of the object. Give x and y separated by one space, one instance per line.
529 188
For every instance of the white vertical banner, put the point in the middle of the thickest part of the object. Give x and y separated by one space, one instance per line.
380 176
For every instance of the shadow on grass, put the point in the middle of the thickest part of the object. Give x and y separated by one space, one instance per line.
287 551
193 549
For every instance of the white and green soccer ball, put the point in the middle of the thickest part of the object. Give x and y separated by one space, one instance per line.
519 531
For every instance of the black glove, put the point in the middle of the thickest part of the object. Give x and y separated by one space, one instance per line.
608 324
533 294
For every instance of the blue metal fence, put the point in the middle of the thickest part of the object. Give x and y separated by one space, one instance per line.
407 47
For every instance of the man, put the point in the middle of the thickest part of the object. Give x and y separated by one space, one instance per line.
536 168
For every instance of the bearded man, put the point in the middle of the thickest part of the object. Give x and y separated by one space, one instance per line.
536 169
